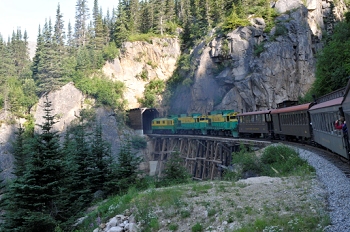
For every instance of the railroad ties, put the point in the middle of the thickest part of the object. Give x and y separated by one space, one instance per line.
204 157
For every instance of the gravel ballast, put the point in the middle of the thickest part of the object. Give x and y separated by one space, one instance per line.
337 186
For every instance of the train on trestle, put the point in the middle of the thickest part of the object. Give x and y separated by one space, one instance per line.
310 123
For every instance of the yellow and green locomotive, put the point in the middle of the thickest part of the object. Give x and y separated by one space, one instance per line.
222 122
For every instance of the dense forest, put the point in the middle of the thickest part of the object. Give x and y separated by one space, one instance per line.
44 196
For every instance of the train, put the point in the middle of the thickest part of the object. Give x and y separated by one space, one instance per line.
221 122
310 123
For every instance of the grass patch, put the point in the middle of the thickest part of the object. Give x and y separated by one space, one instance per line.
288 223
276 161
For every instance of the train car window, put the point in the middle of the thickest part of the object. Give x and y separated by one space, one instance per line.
268 117
317 122
302 118
298 118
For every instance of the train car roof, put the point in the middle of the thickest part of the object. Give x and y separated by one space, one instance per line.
336 101
254 113
292 108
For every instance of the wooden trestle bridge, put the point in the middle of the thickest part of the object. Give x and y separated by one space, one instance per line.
204 157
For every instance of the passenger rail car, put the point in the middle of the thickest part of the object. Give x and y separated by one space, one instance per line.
254 124
292 123
323 116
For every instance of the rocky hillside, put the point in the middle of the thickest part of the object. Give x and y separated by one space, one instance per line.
260 69
156 60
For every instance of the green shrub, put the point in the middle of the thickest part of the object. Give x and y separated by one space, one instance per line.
138 142
185 213
173 227
174 170
258 49
197 227
106 92
152 89
282 160
144 75
110 51
187 82
142 37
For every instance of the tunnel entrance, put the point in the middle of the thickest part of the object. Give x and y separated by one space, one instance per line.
140 119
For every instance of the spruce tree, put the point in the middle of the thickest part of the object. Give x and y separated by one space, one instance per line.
79 187
99 37
126 168
34 200
12 201
48 67
174 170
121 33
81 17
99 160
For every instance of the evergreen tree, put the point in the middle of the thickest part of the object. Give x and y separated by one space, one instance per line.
19 53
19 153
133 15
147 17
174 170
79 186
98 161
48 67
36 194
99 37
121 33
160 18
333 68
70 40
59 34
12 200
126 168
38 55
81 17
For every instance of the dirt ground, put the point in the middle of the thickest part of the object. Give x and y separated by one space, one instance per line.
226 206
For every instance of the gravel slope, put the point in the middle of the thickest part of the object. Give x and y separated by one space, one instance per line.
337 187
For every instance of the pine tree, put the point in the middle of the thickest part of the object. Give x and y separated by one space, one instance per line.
80 188
12 200
132 12
35 196
120 28
99 36
59 34
98 161
48 67
19 53
19 153
147 17
70 40
174 170
160 17
81 17
126 168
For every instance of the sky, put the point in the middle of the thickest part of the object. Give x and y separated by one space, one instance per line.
28 14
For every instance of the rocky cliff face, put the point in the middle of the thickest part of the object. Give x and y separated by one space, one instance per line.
261 69
67 104
153 60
